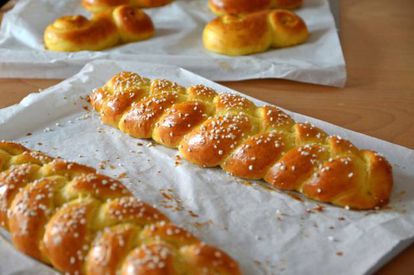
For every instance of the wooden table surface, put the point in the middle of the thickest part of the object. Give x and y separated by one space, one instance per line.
378 42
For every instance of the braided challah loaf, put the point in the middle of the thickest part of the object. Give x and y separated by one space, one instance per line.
254 32
247 141
81 222
222 7
76 33
96 6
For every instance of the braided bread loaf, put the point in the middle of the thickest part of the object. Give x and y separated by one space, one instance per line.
254 32
76 33
81 222
247 141
96 6
222 7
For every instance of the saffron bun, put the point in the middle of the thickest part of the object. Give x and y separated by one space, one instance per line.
122 25
254 33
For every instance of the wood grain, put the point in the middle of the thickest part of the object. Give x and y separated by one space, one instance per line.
378 42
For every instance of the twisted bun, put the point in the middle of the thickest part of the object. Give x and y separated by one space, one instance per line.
76 33
97 6
81 222
247 141
253 33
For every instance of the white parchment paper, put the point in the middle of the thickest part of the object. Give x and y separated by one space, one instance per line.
268 232
178 42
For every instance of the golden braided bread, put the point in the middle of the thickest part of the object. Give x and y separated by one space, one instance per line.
254 32
124 24
247 141
222 7
96 6
81 222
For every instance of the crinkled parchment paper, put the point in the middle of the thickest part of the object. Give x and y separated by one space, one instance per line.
178 42
268 232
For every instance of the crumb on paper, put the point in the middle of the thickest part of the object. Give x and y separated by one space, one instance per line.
178 160
200 225
171 201
224 65
318 208
122 175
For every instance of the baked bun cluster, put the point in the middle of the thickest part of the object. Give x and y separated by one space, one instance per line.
122 25
81 222
97 6
222 7
226 130
253 26
113 22
254 32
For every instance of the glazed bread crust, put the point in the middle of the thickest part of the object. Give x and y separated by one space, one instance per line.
247 141
97 6
76 33
254 33
81 222
223 7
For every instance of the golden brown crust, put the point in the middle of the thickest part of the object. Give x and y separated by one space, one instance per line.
109 249
151 259
206 259
255 142
253 33
81 222
76 33
288 29
209 144
97 6
238 35
133 24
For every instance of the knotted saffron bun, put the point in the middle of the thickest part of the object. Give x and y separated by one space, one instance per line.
253 33
104 30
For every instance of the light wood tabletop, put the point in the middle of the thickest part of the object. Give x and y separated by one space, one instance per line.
378 100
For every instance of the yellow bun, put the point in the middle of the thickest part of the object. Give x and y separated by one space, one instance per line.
288 29
97 6
222 7
253 33
76 33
